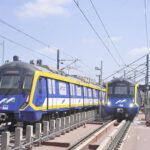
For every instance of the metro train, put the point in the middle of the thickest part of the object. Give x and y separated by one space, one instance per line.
123 98
30 92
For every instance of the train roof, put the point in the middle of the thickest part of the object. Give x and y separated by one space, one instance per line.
121 80
19 65
44 68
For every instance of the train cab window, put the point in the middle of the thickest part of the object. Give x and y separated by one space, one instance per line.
121 90
110 90
27 82
78 89
62 88
10 81
131 90
51 86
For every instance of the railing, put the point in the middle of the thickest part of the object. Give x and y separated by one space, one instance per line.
52 128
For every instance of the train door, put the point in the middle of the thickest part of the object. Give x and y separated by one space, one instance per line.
41 93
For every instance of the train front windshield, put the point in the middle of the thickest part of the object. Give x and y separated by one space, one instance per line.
9 81
15 83
121 90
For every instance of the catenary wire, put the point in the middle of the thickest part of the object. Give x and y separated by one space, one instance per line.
99 37
25 47
146 24
118 71
106 31
32 37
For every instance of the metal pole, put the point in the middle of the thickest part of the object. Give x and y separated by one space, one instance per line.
101 84
3 53
101 73
147 80
58 59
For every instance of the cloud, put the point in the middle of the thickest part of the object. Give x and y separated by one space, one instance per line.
138 51
116 38
43 8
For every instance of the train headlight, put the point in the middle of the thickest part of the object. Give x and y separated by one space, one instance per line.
108 103
131 105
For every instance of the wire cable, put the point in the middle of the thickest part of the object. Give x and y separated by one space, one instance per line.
25 47
146 24
99 37
31 37
127 66
106 31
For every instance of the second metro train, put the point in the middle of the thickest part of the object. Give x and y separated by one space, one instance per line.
123 98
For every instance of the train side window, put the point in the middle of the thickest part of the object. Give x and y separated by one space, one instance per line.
40 85
103 95
62 88
94 93
131 90
51 87
85 91
78 88
72 90
89 92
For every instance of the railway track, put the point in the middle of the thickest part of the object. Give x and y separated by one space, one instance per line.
85 138
115 144
17 140
107 137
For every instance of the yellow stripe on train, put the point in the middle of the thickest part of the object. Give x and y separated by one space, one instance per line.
57 77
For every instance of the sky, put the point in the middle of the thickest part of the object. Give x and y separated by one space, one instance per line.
60 25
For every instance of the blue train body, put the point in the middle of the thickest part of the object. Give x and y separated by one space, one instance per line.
29 92
123 98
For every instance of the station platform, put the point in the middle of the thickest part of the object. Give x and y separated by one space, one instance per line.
138 136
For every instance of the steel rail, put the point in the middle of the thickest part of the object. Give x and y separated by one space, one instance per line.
75 145
119 137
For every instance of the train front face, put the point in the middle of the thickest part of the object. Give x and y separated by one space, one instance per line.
122 99
15 85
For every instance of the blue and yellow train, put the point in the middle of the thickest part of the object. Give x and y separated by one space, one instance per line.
30 92
123 98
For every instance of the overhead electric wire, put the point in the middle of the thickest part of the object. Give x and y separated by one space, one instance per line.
134 69
127 66
106 31
97 34
25 47
139 74
142 79
31 37
26 34
146 24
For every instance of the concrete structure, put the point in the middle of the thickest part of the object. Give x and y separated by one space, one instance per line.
5 141
38 131
29 135
18 136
